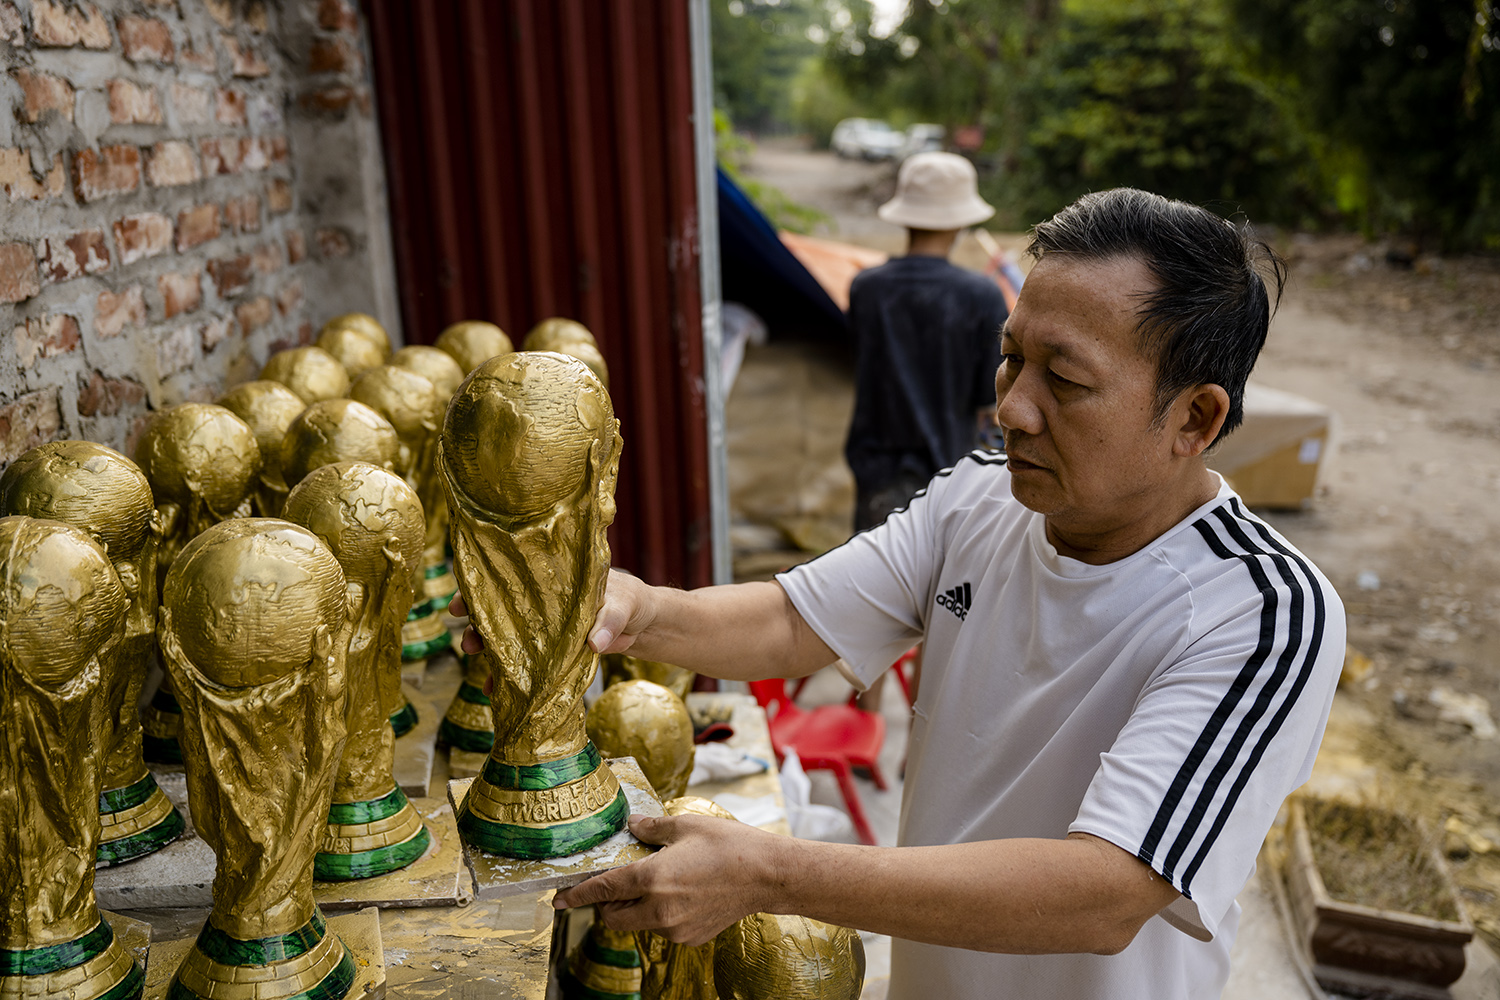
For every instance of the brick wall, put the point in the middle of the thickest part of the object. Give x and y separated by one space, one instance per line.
185 187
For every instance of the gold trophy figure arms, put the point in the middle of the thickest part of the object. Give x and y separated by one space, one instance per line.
269 409
473 342
366 326
102 493
414 407
203 463
372 522
311 372
62 620
646 721
619 667
570 337
529 456
254 636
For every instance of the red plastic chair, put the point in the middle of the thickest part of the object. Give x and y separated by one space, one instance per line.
899 668
835 738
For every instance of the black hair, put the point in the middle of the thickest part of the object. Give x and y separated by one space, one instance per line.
1206 322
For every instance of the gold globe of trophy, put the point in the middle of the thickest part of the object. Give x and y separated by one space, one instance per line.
646 721
254 636
269 409
102 493
570 337
202 462
62 619
473 342
372 522
529 455
619 667
311 372
353 349
788 956
414 407
436 366
366 326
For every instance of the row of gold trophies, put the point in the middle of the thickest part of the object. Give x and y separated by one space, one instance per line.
282 552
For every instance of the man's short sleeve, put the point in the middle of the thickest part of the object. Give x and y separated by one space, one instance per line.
1219 738
866 598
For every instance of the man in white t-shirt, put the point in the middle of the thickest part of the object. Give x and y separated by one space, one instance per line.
1125 671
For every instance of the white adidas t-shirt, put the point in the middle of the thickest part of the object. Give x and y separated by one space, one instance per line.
1167 702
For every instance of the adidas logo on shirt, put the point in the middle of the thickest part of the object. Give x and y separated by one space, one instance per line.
958 600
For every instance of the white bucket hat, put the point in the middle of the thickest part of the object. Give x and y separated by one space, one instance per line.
936 191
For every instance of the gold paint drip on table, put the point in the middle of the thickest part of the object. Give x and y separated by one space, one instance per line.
269 409
311 372
255 638
372 522
619 667
529 456
63 617
473 342
366 326
646 721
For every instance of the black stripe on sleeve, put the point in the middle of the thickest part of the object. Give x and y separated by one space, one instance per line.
1221 712
1314 647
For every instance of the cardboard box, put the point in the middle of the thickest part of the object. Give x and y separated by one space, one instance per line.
1275 459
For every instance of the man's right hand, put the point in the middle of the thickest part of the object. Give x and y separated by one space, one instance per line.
627 610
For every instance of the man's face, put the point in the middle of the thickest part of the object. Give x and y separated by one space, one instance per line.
1075 395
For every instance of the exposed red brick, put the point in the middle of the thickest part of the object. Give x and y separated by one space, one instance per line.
130 104
106 397
281 149
230 107
296 246
99 173
177 350
337 15
242 215
11 28
333 242
305 333
243 60
253 314
191 104
32 419
267 258
197 225
220 156
220 11
18 277
333 100
172 164
56 26
45 337
231 275
257 18
333 55
203 60
279 196
113 312
19 183
74 255
289 299
255 153
145 39
181 292
215 332
137 430
141 236
43 92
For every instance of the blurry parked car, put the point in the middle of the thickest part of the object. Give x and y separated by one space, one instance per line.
923 137
866 139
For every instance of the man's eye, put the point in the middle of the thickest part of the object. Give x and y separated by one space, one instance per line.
1060 380
1011 361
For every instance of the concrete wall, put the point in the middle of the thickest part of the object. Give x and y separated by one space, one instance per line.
188 186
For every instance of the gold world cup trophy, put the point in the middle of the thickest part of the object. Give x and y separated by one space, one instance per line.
372 522
254 636
414 407
354 350
203 463
364 325
436 366
529 456
620 667
102 493
269 409
473 342
570 337
311 372
62 620
646 721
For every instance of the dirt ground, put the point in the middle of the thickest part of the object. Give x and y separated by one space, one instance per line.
1406 524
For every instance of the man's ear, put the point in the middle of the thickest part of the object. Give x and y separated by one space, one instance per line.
1197 417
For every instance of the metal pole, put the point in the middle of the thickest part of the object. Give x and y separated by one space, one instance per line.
708 273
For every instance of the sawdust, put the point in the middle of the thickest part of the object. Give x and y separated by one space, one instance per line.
1377 858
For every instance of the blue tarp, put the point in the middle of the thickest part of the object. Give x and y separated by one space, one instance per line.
758 271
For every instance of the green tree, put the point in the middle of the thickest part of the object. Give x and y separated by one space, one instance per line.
759 48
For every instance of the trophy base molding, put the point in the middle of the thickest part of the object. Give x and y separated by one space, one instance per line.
423 634
468 723
404 719
598 972
161 720
547 810
135 821
93 967
366 839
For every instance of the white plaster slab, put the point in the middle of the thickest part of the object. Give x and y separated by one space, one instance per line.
437 878
177 876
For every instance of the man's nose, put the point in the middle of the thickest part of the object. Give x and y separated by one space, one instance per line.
1016 410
